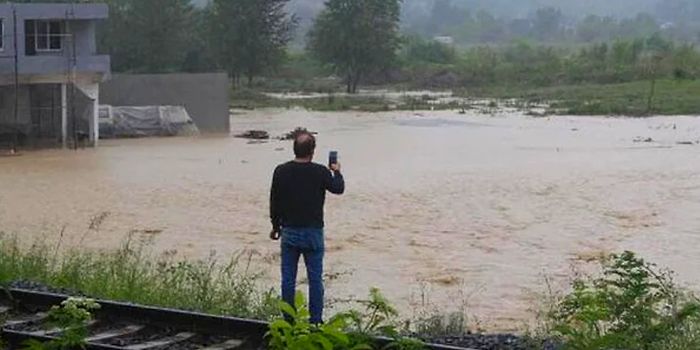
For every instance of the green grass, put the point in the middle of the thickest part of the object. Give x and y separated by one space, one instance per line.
132 274
672 97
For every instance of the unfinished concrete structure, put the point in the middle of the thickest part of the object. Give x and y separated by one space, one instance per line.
50 73
204 95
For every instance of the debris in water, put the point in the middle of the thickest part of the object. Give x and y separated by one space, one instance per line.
292 135
686 143
254 135
148 232
97 220
536 114
643 139
445 280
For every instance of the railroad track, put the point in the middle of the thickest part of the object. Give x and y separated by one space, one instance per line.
122 326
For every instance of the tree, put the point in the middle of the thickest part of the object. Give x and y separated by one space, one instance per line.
201 55
160 31
642 25
595 28
445 15
547 24
490 29
250 36
357 37
418 49
115 36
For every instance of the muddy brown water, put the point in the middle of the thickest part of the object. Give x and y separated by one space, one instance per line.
442 210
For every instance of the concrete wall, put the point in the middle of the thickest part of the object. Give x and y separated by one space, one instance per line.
205 96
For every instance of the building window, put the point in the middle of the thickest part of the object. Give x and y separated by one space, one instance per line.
47 35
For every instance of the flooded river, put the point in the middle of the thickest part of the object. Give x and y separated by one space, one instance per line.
442 209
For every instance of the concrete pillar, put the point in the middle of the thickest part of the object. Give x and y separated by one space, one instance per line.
95 135
92 91
64 115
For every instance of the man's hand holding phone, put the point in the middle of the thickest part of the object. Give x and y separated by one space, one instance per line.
333 163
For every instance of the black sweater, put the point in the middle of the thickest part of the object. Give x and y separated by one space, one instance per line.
299 192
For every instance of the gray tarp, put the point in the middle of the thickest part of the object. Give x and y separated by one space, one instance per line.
145 121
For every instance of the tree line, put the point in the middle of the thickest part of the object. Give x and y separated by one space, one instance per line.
242 37
363 41
427 64
550 24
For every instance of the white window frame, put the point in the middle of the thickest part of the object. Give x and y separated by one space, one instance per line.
48 35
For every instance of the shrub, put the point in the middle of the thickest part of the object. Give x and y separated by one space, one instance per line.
631 306
353 330
299 334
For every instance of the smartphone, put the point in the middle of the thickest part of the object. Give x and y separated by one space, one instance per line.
333 158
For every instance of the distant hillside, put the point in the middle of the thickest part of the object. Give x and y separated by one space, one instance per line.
306 9
416 13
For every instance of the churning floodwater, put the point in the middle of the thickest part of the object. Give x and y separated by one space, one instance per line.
442 209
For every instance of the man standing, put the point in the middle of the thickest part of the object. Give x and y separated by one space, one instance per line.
296 209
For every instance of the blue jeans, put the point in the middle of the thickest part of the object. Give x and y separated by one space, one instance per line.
309 243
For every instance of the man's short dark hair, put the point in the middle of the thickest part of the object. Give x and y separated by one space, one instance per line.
304 145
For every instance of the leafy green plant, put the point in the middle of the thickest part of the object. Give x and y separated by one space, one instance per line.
631 306
72 317
299 334
353 330
379 318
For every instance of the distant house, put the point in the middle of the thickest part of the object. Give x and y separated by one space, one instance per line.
446 40
668 26
50 73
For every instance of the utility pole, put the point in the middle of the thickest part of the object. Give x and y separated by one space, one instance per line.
16 64
73 68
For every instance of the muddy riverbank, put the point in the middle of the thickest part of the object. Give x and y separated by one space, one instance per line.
458 212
